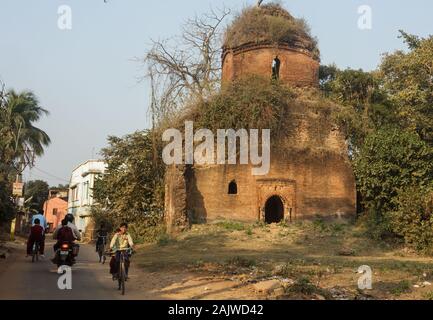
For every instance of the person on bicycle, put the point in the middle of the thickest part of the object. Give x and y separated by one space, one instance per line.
43 223
101 236
121 241
36 236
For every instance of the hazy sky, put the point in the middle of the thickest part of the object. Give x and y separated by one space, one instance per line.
87 79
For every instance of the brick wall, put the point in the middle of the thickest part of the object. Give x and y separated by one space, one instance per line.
297 67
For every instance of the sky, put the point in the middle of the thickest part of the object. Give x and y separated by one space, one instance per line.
87 77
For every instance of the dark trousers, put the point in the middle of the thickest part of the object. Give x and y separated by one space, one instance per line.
115 263
31 241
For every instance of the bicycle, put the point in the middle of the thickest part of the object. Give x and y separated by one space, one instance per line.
35 252
101 249
121 273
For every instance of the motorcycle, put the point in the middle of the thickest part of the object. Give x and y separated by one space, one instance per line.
65 255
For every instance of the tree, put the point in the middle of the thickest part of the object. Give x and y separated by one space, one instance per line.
363 104
413 217
20 139
37 192
389 161
408 81
187 67
132 188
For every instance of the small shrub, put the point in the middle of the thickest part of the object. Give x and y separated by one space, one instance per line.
376 225
428 295
249 231
304 286
401 287
286 270
243 262
413 218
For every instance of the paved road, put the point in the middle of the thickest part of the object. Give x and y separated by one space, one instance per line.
23 279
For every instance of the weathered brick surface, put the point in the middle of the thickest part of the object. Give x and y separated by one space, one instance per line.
311 173
321 186
297 68
176 214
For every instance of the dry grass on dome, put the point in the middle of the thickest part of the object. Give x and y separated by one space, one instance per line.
270 24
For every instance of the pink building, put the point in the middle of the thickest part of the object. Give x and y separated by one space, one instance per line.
56 208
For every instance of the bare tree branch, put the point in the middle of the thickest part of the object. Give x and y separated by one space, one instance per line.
187 67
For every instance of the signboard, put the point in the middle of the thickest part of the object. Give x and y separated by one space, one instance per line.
18 189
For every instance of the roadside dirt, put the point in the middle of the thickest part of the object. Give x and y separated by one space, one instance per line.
309 260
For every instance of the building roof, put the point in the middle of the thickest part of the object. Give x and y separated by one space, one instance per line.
270 24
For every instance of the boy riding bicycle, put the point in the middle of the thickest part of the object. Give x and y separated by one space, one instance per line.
36 236
121 241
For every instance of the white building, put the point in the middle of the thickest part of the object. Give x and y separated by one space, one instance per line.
80 191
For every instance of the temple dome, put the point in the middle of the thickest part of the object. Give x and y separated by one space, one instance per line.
270 24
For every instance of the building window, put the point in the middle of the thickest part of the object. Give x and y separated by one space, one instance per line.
55 211
86 191
74 194
276 68
233 187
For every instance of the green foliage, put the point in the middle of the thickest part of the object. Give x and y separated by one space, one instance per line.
270 23
408 80
413 217
391 160
362 104
231 225
377 225
38 192
132 189
250 103
18 114
7 208
403 286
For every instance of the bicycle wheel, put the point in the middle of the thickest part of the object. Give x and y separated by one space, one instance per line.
122 277
102 253
35 252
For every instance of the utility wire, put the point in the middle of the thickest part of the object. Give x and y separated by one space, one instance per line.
51 175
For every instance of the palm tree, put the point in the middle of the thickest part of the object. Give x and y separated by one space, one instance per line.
19 136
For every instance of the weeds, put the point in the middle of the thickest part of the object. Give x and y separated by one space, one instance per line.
231 225
242 262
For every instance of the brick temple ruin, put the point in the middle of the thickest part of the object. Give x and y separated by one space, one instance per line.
298 186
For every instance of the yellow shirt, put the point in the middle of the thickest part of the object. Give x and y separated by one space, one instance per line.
121 241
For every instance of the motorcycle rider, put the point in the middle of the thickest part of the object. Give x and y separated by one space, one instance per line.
69 219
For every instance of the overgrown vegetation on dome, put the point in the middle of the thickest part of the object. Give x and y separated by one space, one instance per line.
270 23
256 102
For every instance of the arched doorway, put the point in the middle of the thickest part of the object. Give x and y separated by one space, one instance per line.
274 210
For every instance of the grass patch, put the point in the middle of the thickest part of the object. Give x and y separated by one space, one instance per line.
428 295
400 288
164 240
304 286
242 262
231 225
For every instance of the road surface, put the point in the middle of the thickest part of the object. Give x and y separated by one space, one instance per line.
22 279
